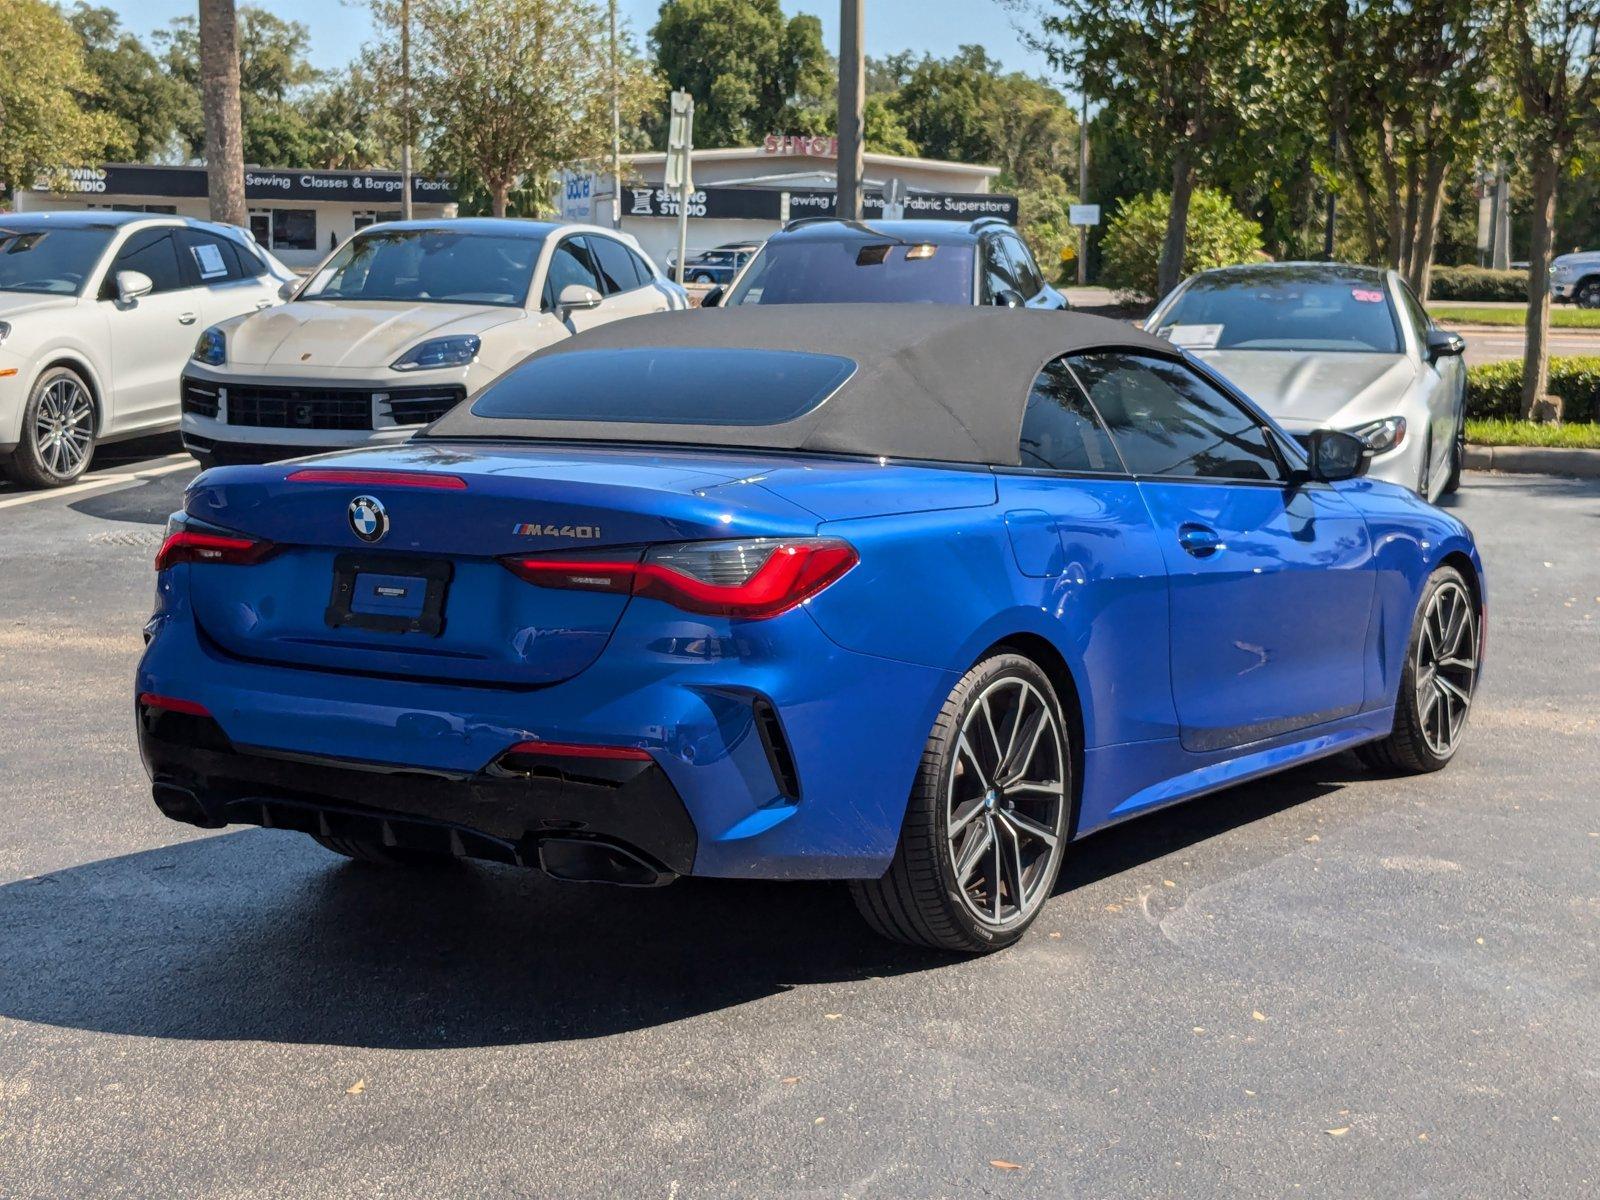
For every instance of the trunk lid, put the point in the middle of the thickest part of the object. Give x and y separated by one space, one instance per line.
429 599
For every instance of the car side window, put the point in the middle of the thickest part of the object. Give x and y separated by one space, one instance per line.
997 275
643 269
1060 431
1029 282
616 264
569 264
209 259
153 252
1167 421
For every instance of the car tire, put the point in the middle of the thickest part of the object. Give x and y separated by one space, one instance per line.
383 856
1458 459
702 278
204 458
979 889
58 431
1431 710
1588 294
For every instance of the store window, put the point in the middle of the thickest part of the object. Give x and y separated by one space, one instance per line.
284 228
368 216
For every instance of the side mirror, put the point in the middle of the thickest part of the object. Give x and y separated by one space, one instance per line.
288 288
712 298
1336 455
133 284
1006 298
1442 343
576 298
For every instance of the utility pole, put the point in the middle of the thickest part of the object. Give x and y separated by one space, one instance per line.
1332 222
1083 186
616 129
852 98
405 105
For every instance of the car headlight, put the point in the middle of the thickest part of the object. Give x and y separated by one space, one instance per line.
439 352
5 331
1381 436
1561 270
211 348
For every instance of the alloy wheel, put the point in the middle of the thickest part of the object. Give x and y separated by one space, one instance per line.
63 427
1446 667
1589 296
1006 803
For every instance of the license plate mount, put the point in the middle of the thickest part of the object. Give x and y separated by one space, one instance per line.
389 594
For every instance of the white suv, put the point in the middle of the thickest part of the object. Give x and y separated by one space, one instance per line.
400 324
98 312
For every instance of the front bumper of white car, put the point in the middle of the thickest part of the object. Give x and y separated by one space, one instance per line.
231 417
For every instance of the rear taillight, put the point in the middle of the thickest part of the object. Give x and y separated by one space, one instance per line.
189 708
753 578
194 546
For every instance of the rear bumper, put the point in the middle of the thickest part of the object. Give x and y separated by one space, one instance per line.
791 756
200 777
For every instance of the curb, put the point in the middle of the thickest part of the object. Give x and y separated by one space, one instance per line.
1534 460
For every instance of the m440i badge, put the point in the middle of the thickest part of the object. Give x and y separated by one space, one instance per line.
582 532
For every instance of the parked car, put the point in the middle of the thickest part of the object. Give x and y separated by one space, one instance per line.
98 311
1333 346
821 260
859 593
1576 278
401 323
717 265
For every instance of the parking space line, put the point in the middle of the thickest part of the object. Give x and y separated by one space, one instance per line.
163 466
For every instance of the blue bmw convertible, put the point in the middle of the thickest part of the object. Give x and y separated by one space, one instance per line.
907 596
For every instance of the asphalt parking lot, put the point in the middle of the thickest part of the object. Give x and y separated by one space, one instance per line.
1328 984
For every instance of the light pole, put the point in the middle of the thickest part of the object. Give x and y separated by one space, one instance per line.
616 129
1083 186
405 104
852 93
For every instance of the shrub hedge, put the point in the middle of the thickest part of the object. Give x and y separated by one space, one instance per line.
1495 389
1477 283
1219 235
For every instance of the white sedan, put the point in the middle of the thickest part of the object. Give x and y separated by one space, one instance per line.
400 324
1333 346
98 312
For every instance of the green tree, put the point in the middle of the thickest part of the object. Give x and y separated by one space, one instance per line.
507 91
750 69
1193 80
275 82
132 88
43 82
1218 235
1551 66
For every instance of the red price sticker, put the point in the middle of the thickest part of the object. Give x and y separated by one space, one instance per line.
1367 297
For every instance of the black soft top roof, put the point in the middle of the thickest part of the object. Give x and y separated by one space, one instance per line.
932 382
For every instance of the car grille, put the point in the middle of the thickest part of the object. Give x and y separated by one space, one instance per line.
316 407
199 398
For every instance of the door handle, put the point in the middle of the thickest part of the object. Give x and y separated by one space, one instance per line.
1199 540
186 318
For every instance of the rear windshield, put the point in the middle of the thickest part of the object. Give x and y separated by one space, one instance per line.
857 271
1316 310
667 386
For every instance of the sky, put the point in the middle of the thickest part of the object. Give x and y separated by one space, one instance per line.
338 27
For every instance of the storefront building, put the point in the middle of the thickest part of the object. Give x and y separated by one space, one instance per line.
746 193
298 215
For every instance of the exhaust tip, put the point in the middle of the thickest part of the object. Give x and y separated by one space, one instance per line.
584 860
181 804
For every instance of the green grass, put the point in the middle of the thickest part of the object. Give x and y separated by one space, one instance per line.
1578 435
1468 314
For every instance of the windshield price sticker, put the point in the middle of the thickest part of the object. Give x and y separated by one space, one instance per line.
1194 337
208 259
1367 297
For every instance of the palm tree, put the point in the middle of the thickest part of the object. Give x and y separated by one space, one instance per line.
219 100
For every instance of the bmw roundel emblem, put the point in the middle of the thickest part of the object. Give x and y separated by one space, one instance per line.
368 519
